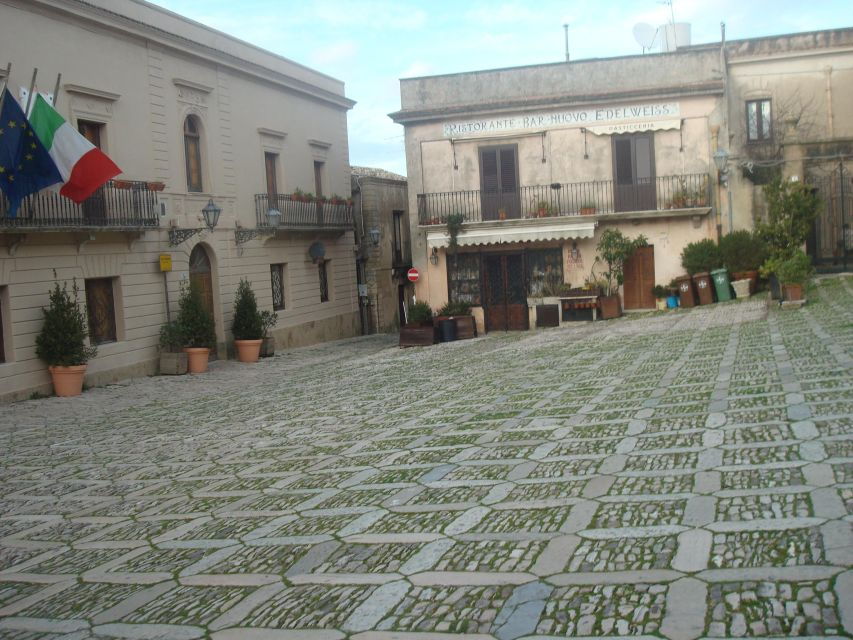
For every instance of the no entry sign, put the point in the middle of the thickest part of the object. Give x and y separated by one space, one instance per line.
413 275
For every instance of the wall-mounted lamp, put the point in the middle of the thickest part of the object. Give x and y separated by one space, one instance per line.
433 257
210 212
721 161
374 236
575 251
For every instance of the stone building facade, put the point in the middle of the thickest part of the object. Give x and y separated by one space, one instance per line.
191 115
380 208
539 160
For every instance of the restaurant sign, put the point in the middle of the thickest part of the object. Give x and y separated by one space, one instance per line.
646 115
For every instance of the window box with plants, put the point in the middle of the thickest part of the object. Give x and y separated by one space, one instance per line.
173 360
614 249
587 208
62 341
419 331
247 324
197 328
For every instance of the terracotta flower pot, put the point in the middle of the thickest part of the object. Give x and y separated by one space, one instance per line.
197 359
610 307
67 381
587 211
248 350
792 292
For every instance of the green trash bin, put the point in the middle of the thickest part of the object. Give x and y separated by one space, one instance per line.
721 284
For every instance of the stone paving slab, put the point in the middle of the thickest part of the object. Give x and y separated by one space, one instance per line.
683 475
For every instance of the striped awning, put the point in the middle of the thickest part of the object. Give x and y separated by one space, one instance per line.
503 232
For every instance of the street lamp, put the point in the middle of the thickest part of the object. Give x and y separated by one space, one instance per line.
374 236
721 161
211 214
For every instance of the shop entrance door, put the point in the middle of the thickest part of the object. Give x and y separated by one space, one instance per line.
639 279
506 299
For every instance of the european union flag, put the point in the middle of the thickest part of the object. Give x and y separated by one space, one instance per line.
25 165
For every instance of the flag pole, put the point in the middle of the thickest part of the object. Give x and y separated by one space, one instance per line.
30 96
56 90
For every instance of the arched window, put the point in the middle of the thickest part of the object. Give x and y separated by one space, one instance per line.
192 149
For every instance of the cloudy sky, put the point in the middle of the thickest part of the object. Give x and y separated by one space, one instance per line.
370 44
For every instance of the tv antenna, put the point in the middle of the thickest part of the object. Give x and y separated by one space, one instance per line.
645 35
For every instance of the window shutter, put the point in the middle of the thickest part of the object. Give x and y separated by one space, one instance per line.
508 181
624 168
489 162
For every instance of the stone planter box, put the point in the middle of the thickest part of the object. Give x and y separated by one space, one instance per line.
173 364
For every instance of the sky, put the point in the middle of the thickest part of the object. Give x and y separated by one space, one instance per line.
371 44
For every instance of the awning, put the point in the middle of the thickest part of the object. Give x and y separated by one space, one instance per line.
482 233
629 127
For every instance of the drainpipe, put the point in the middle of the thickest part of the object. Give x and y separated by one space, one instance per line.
725 127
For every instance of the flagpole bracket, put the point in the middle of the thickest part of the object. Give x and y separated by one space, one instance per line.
15 241
177 236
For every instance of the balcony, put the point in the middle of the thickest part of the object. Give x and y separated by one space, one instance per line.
665 195
300 215
117 205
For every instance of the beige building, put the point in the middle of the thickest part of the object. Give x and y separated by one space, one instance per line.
538 160
191 115
380 208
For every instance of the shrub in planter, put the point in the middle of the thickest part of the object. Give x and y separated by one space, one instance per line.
419 331
461 314
791 210
268 320
247 325
702 256
62 340
743 253
197 328
173 361
614 249
420 313
660 293
792 271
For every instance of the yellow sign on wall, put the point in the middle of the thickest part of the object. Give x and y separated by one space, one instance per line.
165 262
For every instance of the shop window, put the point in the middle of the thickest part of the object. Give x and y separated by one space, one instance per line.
463 278
277 283
758 121
544 271
323 271
192 150
100 305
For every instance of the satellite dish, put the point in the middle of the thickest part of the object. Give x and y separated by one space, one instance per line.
645 35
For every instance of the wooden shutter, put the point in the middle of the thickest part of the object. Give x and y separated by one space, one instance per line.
623 161
489 170
270 162
318 178
101 310
91 131
509 183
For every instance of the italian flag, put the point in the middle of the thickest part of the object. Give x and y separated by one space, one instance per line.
81 164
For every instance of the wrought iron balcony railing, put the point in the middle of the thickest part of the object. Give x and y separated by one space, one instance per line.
299 214
567 199
118 204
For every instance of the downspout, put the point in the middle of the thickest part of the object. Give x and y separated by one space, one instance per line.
725 128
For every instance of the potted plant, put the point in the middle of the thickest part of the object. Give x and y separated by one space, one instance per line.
156 186
543 209
614 249
62 341
792 271
122 184
460 313
298 195
587 208
173 361
661 294
247 324
268 320
742 253
419 330
197 328
699 259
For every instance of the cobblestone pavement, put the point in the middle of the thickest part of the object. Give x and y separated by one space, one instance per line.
682 475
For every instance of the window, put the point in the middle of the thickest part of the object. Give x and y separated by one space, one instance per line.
277 283
318 177
91 131
499 196
271 167
463 278
758 121
101 308
544 271
192 149
324 280
3 313
398 237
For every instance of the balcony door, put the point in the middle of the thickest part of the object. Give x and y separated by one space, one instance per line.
95 206
499 193
634 172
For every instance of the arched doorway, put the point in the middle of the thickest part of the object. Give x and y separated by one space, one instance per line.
201 276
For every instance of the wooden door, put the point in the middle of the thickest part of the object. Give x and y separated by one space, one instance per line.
505 304
634 172
640 279
201 276
499 193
